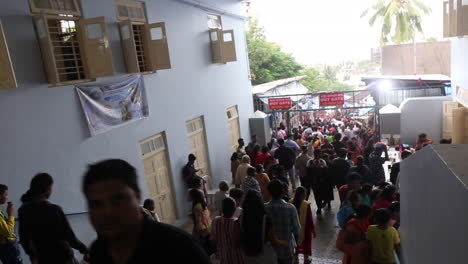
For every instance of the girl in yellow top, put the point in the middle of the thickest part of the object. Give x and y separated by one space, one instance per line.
384 239
9 249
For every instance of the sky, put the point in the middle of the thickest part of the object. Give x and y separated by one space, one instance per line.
329 31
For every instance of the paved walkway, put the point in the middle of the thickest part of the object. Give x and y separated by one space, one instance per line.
323 246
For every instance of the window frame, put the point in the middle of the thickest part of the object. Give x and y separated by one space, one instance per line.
51 11
128 4
210 16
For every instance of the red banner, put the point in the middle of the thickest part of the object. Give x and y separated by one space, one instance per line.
279 103
332 99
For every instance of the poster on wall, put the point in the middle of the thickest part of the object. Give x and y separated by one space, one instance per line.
113 104
332 99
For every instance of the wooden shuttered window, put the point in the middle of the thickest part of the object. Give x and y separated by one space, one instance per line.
223 45
7 75
73 49
145 46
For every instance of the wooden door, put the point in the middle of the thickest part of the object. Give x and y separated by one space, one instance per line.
448 119
157 47
95 44
158 177
128 46
198 146
234 129
7 75
229 46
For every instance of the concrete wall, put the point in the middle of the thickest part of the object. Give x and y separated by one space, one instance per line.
422 115
431 58
433 212
43 129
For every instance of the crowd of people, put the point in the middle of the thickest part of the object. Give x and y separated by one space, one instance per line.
267 212
262 216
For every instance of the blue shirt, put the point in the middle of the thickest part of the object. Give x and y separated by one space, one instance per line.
285 225
291 144
343 214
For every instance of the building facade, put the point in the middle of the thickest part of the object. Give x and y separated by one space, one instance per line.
193 105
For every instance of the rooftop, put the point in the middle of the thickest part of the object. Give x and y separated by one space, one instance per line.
263 88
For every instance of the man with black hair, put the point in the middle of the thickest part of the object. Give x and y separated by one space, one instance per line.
125 233
192 179
287 157
339 168
240 148
337 144
285 221
251 145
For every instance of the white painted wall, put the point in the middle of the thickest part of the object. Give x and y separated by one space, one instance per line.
422 115
433 207
43 129
459 63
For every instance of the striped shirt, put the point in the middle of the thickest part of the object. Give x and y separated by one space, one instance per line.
226 233
250 183
285 224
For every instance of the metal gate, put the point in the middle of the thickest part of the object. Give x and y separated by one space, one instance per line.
358 105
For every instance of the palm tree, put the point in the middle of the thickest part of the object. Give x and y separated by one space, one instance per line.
406 14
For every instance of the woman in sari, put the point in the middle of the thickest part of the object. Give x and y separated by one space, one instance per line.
304 242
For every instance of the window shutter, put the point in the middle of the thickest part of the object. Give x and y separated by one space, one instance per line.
7 75
462 15
453 17
446 17
229 46
215 42
156 46
128 46
47 51
158 49
97 55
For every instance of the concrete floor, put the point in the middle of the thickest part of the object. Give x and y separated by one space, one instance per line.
323 246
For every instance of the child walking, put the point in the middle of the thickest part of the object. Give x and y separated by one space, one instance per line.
384 239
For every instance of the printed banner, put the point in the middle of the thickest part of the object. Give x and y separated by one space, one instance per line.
113 104
332 99
279 103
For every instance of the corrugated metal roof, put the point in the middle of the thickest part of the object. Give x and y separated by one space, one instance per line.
263 88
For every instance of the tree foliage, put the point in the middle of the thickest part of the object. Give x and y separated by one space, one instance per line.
267 61
401 18
325 81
